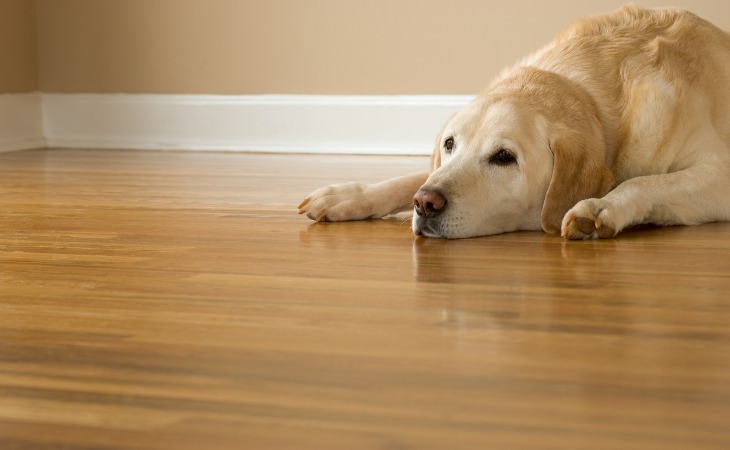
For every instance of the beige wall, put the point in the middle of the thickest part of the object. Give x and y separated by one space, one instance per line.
294 46
18 58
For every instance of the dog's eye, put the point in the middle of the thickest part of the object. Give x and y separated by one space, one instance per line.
449 145
503 158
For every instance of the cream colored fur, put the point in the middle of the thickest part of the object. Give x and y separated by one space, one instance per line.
622 119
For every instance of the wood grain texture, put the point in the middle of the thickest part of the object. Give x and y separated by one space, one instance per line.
176 301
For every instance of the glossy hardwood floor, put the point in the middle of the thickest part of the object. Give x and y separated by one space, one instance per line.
176 301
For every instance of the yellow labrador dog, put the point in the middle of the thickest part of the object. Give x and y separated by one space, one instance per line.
622 119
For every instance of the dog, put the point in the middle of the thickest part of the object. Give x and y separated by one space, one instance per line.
623 119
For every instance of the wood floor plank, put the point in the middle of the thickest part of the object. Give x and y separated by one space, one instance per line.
163 300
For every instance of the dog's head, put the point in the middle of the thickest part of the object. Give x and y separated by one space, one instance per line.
517 158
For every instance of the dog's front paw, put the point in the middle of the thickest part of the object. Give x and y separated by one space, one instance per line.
337 203
589 219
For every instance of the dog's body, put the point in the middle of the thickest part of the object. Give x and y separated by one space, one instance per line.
623 119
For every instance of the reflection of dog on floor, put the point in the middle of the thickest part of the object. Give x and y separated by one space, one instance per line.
623 119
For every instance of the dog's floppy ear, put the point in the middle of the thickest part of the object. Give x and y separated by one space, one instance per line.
579 172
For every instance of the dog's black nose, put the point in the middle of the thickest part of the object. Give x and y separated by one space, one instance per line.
429 203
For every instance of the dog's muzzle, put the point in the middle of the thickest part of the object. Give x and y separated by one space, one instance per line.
428 204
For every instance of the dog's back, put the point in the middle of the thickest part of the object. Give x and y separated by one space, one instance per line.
642 67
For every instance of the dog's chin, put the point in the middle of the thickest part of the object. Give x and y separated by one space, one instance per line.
435 227
443 227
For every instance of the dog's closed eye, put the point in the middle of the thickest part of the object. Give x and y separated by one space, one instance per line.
503 157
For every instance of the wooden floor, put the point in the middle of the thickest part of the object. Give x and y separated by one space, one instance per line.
176 301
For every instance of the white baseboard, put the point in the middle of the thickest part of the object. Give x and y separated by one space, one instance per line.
20 122
268 123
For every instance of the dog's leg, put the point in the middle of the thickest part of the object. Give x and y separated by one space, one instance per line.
698 194
357 201
694 195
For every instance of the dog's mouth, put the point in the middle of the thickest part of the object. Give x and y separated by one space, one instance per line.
426 227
